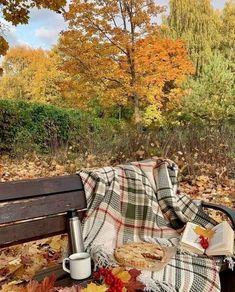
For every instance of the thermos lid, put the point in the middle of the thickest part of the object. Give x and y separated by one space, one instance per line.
72 213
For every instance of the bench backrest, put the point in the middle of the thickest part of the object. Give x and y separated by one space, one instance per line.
36 208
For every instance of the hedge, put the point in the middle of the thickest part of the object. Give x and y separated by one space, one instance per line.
45 128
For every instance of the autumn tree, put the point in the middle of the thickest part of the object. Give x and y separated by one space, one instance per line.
113 50
17 12
198 24
30 74
227 45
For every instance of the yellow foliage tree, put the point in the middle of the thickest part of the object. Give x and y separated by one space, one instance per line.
30 74
113 51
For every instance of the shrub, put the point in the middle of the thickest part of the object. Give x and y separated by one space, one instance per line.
47 128
74 135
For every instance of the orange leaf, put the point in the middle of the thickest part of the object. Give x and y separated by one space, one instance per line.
134 284
209 233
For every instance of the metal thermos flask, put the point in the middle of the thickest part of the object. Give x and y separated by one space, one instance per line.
75 231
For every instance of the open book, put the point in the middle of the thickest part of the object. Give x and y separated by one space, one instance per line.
221 242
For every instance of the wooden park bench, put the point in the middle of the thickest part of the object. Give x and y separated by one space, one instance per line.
36 209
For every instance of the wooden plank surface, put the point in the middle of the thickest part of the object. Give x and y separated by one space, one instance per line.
57 270
41 206
37 187
32 230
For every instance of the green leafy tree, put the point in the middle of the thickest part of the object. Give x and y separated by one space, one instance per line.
211 97
197 23
227 45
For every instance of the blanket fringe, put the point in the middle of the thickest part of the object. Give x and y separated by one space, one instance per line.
230 262
101 257
154 285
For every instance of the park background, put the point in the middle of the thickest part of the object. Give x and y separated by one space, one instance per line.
123 81
118 85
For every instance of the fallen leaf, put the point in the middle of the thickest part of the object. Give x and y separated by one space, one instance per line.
94 288
74 288
55 243
133 283
4 271
120 273
134 273
209 233
11 288
46 285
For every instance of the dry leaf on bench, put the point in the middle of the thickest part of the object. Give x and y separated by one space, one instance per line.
133 285
121 274
74 288
94 288
209 233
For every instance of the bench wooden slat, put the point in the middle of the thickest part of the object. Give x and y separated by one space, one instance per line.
32 230
14 211
37 187
57 270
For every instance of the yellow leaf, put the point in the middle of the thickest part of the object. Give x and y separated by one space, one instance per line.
94 288
56 243
121 274
11 287
209 233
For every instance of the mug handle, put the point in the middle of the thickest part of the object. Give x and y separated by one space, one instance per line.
64 267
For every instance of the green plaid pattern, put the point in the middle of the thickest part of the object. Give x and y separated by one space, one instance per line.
139 202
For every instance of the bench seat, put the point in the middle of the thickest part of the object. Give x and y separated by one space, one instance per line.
36 209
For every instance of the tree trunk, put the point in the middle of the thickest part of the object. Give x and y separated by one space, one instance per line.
120 113
137 116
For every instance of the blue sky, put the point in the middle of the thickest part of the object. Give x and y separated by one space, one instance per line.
44 26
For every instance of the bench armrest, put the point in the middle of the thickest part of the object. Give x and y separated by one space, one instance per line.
227 211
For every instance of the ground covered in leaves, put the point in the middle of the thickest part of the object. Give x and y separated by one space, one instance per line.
21 262
209 183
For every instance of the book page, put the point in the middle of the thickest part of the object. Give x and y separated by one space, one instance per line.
222 241
190 238
218 239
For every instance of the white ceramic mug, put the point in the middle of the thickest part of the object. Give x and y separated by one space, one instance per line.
79 265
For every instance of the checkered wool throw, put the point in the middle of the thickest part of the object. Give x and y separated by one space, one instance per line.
138 201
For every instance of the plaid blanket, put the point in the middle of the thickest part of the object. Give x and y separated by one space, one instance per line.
139 202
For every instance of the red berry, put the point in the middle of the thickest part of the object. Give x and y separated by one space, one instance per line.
204 242
97 275
109 279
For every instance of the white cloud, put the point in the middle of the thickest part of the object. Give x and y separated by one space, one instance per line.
10 34
14 40
47 36
44 33
47 25
42 30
